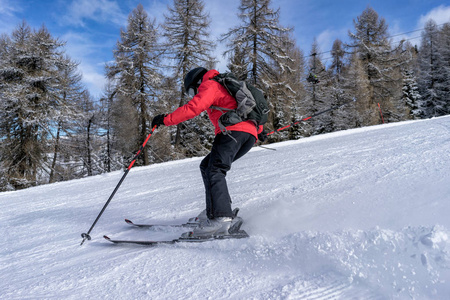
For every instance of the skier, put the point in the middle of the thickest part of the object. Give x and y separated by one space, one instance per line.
227 147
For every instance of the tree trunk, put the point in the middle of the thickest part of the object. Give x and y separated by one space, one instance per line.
55 155
88 145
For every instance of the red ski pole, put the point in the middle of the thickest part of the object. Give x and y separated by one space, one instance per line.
86 236
314 115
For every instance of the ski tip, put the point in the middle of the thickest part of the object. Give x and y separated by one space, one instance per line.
243 234
129 221
106 237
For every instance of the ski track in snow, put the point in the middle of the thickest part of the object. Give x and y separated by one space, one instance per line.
357 214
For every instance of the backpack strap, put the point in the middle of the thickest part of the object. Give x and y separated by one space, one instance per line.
220 108
222 127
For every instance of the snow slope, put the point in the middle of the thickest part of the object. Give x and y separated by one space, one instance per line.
358 214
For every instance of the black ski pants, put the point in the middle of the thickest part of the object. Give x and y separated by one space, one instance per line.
214 167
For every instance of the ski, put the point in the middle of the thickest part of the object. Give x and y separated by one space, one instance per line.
129 222
147 243
188 224
236 235
234 232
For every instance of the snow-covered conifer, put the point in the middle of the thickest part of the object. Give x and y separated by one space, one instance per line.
32 68
262 40
262 45
318 92
338 71
381 64
411 96
136 73
188 45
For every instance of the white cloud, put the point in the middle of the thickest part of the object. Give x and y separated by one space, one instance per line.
86 52
327 37
8 19
397 34
7 8
93 78
440 15
78 44
223 16
101 11
155 9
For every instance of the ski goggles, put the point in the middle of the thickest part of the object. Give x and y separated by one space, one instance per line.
193 89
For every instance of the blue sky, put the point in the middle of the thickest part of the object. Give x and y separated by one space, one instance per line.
91 27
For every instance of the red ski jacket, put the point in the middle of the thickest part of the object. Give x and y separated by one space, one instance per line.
210 93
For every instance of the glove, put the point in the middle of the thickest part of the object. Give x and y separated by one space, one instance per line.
262 136
158 120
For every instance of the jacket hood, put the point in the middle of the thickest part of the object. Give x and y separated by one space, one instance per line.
210 75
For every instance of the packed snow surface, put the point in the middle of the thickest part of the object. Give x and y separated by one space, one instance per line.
357 214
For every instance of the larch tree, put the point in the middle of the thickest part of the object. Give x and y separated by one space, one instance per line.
137 77
343 118
261 39
318 92
237 63
357 85
69 91
382 65
188 45
295 83
31 105
285 88
85 143
258 50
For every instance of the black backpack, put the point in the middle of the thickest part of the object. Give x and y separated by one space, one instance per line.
251 102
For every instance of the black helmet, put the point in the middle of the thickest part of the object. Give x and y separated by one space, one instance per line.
193 79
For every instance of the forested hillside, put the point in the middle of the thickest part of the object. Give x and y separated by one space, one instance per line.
52 129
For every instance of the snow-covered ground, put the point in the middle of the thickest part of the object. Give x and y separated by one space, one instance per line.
358 214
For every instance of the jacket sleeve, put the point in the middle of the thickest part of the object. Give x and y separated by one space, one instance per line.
202 101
